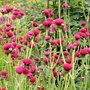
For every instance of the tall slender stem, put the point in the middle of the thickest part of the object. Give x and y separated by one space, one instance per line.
47 3
59 8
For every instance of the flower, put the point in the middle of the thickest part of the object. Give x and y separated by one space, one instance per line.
4 73
48 12
47 53
35 24
52 28
47 38
9 9
69 60
77 36
65 5
67 66
7 46
10 34
84 51
47 23
27 61
2 88
83 23
36 59
32 79
59 21
83 30
55 74
19 70
76 54
66 53
36 32
32 69
46 60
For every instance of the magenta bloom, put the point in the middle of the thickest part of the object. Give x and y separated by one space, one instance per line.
32 70
9 9
83 23
83 30
7 46
55 74
48 12
25 71
35 24
65 5
19 70
69 60
66 53
52 28
46 60
84 51
67 66
47 23
36 59
27 61
47 38
76 54
54 43
10 34
14 17
32 79
2 88
4 73
59 21
70 46
47 53
77 36
36 32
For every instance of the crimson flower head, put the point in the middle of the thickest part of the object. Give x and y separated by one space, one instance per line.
27 61
84 51
17 14
4 12
14 17
83 23
47 53
47 38
67 66
2 88
25 71
77 36
76 54
83 30
9 9
54 43
66 53
4 73
10 34
35 24
69 60
59 21
55 74
32 70
46 60
7 46
48 12
47 23
70 46
36 32
32 79
36 59
65 5
19 70
8 24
